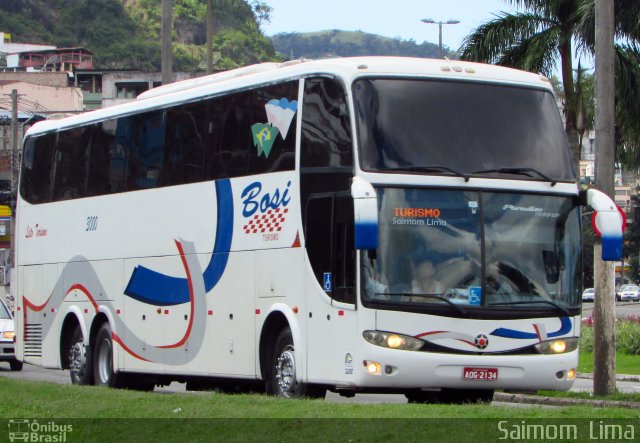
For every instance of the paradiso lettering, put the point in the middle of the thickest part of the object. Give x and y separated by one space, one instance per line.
418 217
267 211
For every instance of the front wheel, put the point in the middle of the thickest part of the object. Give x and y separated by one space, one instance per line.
282 378
15 365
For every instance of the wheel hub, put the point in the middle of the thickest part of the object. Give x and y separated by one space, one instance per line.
77 359
286 371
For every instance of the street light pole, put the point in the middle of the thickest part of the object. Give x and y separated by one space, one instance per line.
440 23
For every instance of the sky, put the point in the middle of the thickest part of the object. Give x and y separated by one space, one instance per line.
388 18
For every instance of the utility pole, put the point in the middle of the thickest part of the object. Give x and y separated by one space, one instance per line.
167 28
14 142
209 36
604 320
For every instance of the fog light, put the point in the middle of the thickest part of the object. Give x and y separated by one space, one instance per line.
373 368
571 374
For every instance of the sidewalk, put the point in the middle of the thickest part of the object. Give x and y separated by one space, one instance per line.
507 397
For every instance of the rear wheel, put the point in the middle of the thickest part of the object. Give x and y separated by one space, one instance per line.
79 361
282 378
103 373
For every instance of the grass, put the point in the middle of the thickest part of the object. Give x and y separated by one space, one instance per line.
625 364
117 415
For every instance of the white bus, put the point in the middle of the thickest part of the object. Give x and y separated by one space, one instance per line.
359 225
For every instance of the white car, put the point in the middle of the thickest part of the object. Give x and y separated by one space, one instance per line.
589 294
627 293
7 332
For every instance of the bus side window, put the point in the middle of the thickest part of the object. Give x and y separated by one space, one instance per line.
317 232
234 139
100 159
183 158
148 151
281 99
70 163
326 170
35 183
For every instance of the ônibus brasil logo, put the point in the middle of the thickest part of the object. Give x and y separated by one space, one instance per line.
35 431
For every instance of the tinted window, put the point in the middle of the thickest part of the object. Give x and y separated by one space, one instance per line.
326 170
491 252
247 132
326 129
469 127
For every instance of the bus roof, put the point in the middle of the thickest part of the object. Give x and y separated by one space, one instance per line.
347 68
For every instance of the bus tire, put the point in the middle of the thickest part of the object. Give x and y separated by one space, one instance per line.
79 362
282 380
103 373
15 365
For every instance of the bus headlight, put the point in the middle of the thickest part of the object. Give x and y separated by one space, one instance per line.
392 341
8 334
558 346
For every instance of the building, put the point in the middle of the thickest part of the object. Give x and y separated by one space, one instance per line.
63 59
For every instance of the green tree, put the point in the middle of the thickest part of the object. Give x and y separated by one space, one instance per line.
632 241
542 33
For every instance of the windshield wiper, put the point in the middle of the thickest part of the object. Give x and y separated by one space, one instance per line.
548 302
436 296
518 171
429 168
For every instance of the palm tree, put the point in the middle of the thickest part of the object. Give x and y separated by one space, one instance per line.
544 33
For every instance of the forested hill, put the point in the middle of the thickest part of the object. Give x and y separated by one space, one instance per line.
344 43
126 33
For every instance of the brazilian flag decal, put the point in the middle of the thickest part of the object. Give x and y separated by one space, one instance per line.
263 137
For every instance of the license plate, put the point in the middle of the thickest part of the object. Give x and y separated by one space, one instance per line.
480 373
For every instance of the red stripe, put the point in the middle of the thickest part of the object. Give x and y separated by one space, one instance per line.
188 332
424 334
535 326
86 292
115 338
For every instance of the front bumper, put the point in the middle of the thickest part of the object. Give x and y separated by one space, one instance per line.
7 351
411 370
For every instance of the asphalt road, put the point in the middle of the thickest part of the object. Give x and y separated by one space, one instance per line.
623 310
34 373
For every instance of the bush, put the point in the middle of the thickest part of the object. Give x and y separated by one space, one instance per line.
627 336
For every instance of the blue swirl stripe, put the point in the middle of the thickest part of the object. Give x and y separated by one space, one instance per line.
565 327
154 288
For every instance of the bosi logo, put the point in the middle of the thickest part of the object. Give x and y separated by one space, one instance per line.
266 211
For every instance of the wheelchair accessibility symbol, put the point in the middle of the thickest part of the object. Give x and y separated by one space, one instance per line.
475 295
327 282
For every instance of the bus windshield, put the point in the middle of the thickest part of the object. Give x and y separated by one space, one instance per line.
462 128
485 252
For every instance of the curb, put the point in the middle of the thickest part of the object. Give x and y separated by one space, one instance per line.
506 397
557 401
